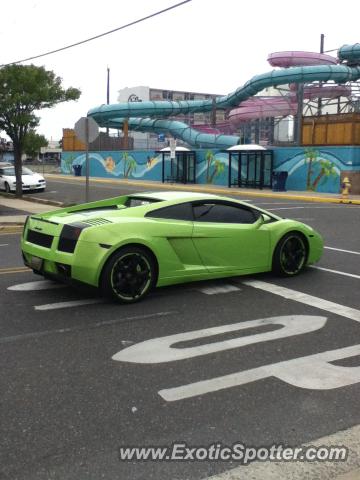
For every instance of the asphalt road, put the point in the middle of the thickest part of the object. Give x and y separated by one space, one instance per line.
67 406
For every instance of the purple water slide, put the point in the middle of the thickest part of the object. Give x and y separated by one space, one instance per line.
300 59
262 107
282 106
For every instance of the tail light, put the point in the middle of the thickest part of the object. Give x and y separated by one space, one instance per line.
24 229
70 235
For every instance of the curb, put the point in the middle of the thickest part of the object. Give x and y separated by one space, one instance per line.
223 191
11 228
44 201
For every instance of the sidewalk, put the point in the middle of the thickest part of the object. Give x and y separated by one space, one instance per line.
14 211
326 470
217 189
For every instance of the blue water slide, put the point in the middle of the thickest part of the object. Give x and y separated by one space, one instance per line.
149 116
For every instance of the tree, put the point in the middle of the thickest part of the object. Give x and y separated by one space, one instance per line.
33 143
25 89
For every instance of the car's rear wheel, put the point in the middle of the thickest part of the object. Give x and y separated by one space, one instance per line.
290 255
7 187
129 275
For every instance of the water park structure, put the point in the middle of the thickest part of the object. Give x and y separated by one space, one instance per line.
307 84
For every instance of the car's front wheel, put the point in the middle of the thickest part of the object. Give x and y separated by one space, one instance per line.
290 255
7 187
129 275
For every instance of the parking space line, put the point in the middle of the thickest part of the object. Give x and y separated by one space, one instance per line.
218 289
38 285
310 300
286 208
14 338
342 250
5 271
74 303
336 271
4 244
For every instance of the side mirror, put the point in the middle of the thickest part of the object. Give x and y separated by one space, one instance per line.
266 218
263 219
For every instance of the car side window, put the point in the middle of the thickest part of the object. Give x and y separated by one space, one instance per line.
222 212
182 211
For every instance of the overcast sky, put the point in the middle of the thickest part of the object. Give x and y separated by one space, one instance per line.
204 45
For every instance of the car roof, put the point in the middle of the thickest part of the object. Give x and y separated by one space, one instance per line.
175 195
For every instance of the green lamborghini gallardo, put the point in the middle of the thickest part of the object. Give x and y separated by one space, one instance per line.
127 245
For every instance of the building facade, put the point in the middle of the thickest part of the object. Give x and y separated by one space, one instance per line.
202 121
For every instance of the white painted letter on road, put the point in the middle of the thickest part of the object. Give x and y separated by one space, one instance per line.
311 372
163 349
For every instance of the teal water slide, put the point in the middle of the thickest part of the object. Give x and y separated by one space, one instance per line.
150 116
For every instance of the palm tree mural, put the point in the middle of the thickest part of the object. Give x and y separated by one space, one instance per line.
129 164
209 157
310 159
219 168
327 169
67 163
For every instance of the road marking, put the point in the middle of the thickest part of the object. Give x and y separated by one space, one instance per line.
39 285
74 303
11 232
4 244
218 289
280 203
5 271
163 349
105 323
286 208
342 250
309 206
316 302
336 271
313 372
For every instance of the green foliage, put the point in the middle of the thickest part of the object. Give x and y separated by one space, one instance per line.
33 143
209 157
219 168
129 164
25 89
326 169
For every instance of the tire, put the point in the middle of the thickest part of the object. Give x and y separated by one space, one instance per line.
129 275
7 187
290 255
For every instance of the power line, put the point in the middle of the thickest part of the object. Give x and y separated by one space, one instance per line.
98 36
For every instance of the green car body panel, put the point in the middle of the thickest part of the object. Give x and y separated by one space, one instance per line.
184 250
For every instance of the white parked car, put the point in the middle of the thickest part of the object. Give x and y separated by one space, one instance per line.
30 180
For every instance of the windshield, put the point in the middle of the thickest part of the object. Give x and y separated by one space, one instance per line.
11 171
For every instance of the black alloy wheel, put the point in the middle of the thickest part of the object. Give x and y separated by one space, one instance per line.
129 275
290 255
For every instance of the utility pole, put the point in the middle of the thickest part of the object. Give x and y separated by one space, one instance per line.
322 36
108 94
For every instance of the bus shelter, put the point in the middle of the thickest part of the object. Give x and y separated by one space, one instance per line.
180 168
250 166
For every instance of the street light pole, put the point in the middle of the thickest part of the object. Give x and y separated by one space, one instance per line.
87 159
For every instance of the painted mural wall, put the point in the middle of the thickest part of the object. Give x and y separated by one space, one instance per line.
313 169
